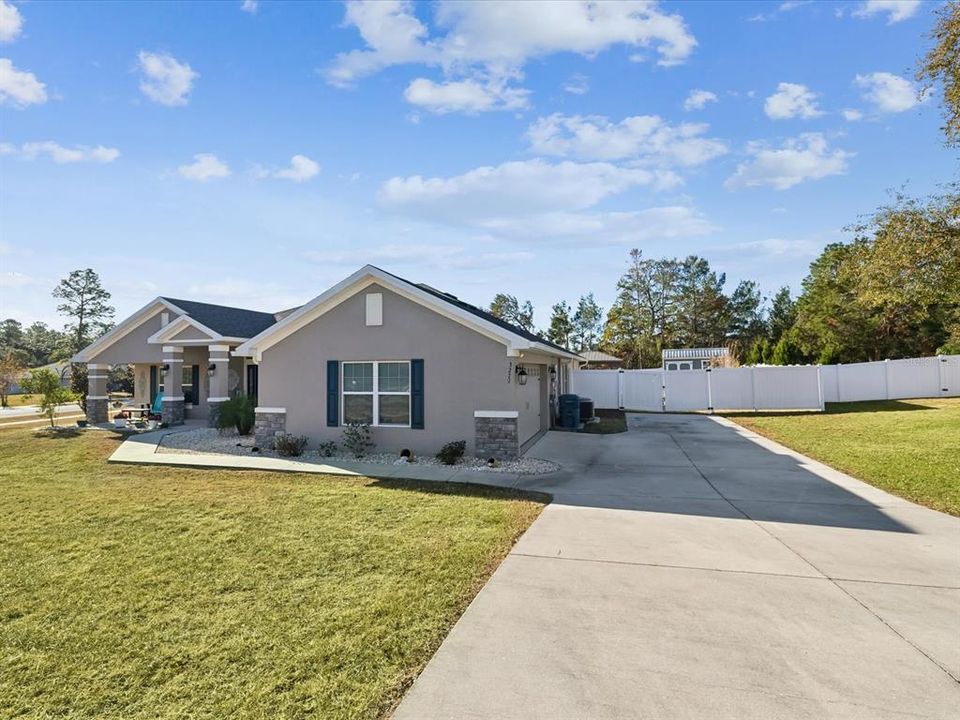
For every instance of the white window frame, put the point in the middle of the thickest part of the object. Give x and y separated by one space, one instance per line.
376 392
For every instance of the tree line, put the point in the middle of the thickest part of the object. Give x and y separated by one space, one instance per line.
892 291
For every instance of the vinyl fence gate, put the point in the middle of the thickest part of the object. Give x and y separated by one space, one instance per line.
795 387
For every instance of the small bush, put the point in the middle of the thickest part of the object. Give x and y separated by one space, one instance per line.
289 445
357 440
452 452
237 412
327 448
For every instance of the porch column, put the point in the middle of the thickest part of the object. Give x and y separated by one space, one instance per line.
97 400
172 411
219 371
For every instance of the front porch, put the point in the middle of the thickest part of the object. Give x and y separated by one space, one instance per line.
191 381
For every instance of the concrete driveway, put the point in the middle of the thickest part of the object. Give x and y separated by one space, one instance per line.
690 569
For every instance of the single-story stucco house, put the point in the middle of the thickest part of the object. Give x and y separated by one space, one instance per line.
422 367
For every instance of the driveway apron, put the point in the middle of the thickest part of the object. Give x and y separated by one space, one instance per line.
690 569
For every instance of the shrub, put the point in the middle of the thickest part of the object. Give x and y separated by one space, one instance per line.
356 439
452 452
237 412
327 448
289 445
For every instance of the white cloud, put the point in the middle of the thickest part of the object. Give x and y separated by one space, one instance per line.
478 43
799 159
792 100
18 87
301 169
654 223
514 188
536 201
11 22
469 96
888 92
205 166
444 257
577 84
166 80
698 99
60 154
896 10
851 114
788 6
249 6
647 138
393 34
779 247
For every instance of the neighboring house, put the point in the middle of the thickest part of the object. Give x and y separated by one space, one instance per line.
695 358
63 369
597 360
422 367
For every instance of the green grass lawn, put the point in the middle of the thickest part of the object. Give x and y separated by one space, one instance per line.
150 592
21 400
907 447
611 421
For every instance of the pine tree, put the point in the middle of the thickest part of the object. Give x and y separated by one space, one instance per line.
86 301
561 325
587 323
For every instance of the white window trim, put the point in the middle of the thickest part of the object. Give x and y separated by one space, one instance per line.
376 392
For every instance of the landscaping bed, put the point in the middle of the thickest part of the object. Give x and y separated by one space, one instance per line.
208 441
143 591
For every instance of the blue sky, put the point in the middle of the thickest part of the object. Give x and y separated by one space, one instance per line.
253 154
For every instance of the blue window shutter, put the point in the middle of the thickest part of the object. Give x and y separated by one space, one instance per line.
333 393
416 394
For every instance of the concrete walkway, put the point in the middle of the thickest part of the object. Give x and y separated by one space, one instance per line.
690 569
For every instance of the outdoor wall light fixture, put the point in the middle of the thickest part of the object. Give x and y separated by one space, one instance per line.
211 369
165 368
521 375
553 370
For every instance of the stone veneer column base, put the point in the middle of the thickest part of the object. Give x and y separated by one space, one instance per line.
496 434
172 412
97 411
213 413
269 421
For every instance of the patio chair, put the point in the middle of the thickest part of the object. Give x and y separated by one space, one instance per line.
156 412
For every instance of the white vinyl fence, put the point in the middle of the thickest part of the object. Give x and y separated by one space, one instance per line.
795 387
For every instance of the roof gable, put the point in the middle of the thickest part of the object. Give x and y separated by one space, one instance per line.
514 338
226 321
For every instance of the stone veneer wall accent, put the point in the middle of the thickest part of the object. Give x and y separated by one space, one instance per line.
496 435
268 423
213 413
172 412
97 411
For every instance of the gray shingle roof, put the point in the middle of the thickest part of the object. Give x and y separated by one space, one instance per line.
228 321
479 312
